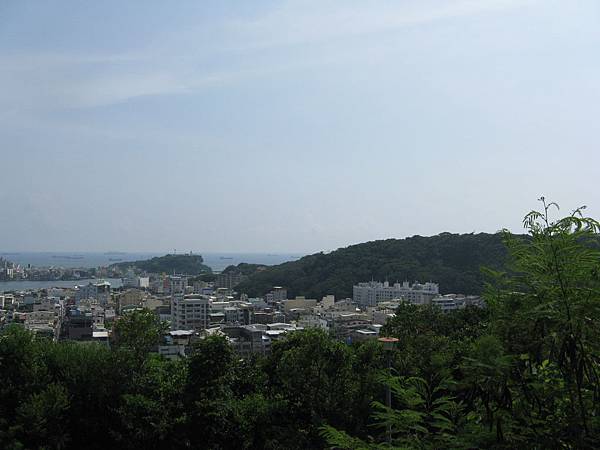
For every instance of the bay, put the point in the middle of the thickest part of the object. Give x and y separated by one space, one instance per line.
26 285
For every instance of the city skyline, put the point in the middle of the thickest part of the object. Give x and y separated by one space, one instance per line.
290 127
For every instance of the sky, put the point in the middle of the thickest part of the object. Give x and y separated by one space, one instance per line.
291 126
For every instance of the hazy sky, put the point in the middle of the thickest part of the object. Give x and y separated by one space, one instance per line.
290 126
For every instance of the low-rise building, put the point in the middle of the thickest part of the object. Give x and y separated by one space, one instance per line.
278 294
248 339
299 302
99 291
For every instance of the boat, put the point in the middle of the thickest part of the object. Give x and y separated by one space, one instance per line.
67 256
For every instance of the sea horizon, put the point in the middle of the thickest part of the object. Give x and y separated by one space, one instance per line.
217 261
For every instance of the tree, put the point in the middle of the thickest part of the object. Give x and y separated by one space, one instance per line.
312 374
152 412
525 373
138 332
42 418
423 417
547 315
208 396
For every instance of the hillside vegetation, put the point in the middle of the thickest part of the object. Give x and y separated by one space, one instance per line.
522 373
181 264
452 260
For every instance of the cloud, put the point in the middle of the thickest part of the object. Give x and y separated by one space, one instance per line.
320 20
184 62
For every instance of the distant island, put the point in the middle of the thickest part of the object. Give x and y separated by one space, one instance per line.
452 260
187 264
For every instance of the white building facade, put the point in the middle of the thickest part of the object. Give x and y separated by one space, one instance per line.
373 292
189 312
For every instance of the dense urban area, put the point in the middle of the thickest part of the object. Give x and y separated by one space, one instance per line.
194 308
186 359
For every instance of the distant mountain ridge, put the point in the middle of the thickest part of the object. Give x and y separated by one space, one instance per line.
187 264
452 260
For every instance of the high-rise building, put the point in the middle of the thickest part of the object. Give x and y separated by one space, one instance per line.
189 312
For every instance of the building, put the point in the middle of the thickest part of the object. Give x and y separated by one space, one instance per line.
133 281
312 321
79 325
95 291
130 297
177 344
363 334
344 324
176 284
229 280
6 300
299 302
278 294
450 302
190 312
248 340
163 313
267 316
373 292
130 279
383 311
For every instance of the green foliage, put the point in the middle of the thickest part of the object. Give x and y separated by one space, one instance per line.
338 439
548 318
185 264
41 418
245 268
138 332
423 417
452 260
313 377
522 373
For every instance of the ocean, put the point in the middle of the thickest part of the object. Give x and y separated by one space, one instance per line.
216 261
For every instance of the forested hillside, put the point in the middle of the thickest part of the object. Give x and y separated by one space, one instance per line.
182 264
452 260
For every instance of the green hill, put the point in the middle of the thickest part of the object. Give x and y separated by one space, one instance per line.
452 260
181 264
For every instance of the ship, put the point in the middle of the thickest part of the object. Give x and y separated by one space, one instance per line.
67 256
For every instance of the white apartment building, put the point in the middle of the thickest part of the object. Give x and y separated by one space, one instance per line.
134 281
373 292
177 284
189 312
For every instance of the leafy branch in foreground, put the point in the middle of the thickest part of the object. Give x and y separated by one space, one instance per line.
424 415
